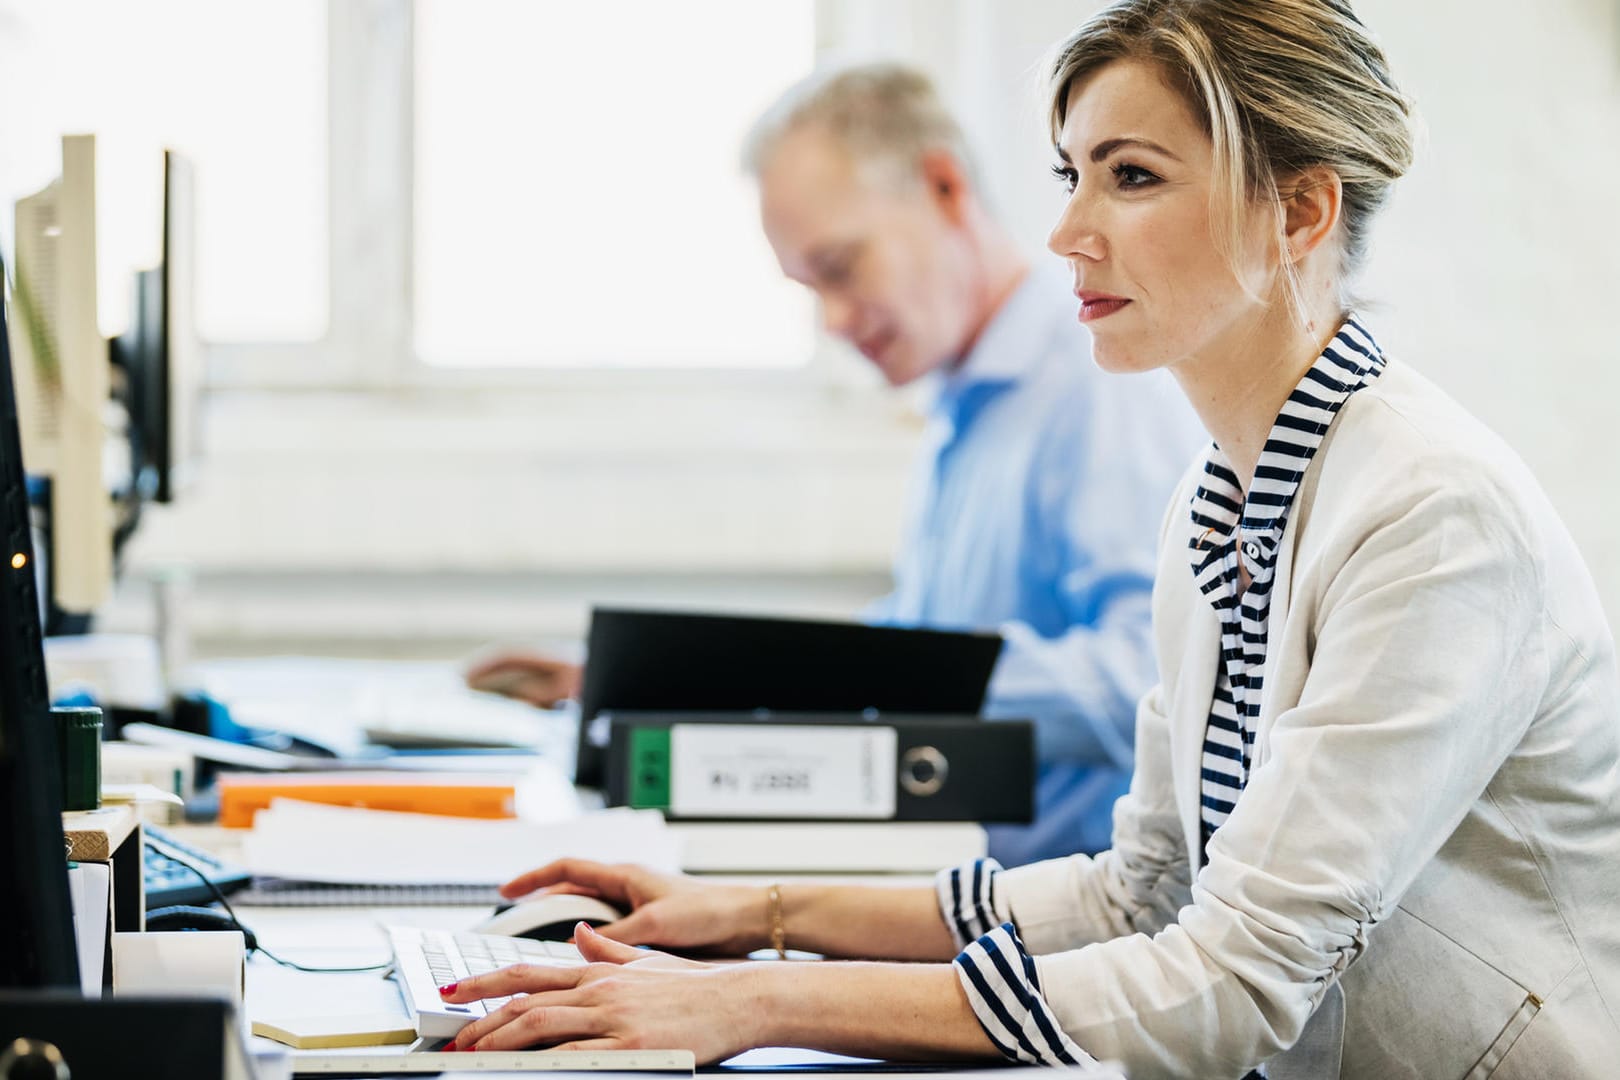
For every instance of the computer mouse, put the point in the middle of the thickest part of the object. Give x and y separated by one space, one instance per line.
186 917
549 917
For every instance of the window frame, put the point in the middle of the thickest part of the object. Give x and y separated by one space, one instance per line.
368 344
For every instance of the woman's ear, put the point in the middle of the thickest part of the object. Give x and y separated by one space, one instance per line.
1312 200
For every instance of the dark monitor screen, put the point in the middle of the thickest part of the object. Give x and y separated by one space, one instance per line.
677 661
36 924
159 351
181 370
139 352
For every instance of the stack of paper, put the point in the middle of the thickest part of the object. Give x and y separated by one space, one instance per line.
343 845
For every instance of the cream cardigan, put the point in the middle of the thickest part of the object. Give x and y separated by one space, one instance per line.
1422 877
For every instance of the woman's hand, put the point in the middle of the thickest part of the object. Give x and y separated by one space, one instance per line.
631 999
668 910
623 998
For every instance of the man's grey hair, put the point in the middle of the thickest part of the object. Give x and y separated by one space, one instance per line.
886 115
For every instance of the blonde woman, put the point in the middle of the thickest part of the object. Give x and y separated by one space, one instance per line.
1374 826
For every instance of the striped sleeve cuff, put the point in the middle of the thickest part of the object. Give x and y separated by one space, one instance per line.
1005 993
968 900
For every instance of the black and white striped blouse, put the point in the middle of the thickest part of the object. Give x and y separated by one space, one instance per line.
995 969
1223 518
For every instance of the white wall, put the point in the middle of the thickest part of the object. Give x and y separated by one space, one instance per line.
1496 270
1498 261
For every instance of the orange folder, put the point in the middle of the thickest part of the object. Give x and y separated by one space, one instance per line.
241 795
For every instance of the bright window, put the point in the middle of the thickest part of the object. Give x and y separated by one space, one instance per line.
579 202
241 88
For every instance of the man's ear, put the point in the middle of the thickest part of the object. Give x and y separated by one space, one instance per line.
1312 201
946 184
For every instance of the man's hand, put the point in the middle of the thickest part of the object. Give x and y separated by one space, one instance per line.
539 680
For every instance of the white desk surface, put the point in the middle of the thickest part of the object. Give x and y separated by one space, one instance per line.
353 936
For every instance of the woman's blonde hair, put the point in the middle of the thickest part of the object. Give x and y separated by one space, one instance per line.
1280 86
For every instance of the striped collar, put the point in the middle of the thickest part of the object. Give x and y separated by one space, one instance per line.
1351 360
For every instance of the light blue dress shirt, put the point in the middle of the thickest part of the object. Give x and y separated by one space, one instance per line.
1034 511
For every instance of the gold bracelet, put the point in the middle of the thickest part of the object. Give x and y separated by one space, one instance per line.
778 927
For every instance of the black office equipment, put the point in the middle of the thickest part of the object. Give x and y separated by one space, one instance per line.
668 661
36 923
158 353
942 769
170 878
128 1038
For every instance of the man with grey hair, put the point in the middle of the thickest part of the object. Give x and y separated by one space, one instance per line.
1039 492
1038 496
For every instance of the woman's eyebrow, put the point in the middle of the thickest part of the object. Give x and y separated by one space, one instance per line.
1101 151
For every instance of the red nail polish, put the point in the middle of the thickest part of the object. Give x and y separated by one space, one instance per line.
448 988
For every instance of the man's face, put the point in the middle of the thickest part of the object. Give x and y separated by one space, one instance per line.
882 255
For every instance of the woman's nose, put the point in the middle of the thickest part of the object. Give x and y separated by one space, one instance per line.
1076 234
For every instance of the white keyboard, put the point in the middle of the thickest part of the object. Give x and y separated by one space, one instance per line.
425 960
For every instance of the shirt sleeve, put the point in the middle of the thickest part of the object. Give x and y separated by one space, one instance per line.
968 900
997 973
1093 528
1137 886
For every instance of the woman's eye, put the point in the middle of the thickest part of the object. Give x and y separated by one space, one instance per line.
1066 176
1133 176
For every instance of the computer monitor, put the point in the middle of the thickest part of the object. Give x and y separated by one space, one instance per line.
159 353
63 378
36 924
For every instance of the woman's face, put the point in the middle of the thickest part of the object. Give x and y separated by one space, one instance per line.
1137 227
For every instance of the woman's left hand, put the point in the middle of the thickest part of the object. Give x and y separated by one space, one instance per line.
623 998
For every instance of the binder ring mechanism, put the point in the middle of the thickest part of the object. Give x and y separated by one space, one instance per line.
923 770
32 1057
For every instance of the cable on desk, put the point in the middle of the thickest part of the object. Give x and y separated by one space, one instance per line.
226 904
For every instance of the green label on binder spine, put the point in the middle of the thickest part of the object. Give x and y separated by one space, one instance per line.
649 768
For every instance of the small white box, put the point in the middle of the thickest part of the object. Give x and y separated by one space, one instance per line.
181 963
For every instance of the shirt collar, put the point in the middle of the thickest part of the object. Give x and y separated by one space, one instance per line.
1012 346
1014 341
1350 361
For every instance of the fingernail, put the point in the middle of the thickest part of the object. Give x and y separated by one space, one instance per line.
585 927
448 988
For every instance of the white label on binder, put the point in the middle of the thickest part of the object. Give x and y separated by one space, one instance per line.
775 770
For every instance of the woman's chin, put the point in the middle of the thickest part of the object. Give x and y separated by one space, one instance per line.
1118 359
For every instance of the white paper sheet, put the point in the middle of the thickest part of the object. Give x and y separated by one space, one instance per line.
90 892
342 845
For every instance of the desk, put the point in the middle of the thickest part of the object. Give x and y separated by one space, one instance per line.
333 937
350 937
